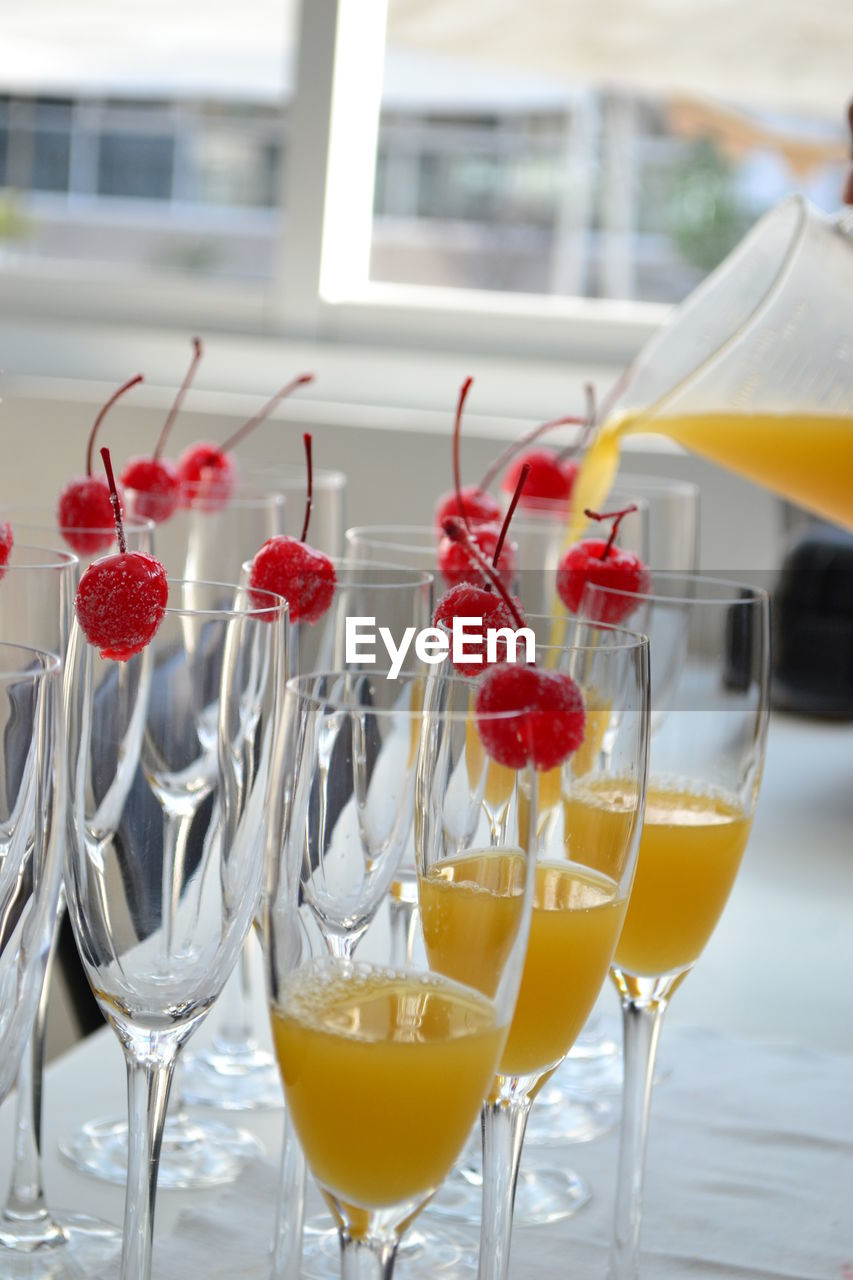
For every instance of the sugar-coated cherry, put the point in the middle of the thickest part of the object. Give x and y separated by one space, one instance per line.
121 599
600 563
551 478
156 481
288 566
551 720
7 541
471 504
456 564
208 471
492 613
156 485
84 512
304 577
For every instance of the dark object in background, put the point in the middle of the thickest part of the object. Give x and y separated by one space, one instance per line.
812 621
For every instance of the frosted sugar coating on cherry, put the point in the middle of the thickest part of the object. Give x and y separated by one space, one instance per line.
7 541
599 562
121 599
551 479
476 507
208 471
491 612
550 722
84 511
289 567
305 577
157 487
456 565
155 480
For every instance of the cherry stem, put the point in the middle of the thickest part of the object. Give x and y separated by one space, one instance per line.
506 455
617 517
309 498
302 380
116 505
125 386
456 531
198 351
457 432
522 480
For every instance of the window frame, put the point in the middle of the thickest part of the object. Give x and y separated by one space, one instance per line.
321 291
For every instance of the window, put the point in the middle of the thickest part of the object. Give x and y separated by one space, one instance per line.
484 176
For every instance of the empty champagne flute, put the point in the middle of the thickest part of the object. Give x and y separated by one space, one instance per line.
707 752
328 513
385 1065
169 758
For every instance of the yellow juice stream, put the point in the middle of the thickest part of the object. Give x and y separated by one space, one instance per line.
467 902
690 851
384 1074
807 458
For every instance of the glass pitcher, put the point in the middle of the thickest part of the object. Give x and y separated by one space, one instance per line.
755 369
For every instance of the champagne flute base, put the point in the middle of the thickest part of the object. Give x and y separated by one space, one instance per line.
422 1253
542 1196
238 1078
195 1153
68 1246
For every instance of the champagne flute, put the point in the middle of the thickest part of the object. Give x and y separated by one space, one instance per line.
707 754
36 603
32 819
328 510
398 1057
165 864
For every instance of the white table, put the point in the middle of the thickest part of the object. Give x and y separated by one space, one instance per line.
750 1173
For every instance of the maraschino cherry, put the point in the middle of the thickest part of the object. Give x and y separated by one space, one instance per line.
494 608
550 721
84 511
7 541
455 563
604 565
468 502
552 478
289 567
155 480
207 471
121 599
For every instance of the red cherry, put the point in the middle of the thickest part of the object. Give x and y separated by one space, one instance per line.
7 541
550 480
121 599
476 507
157 487
551 720
207 476
305 577
456 565
601 563
155 479
467 601
84 512
288 566
208 473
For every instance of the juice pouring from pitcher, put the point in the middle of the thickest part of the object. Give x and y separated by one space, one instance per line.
755 370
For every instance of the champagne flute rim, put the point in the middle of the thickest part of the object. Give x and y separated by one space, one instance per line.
294 476
253 608
59 559
301 687
38 520
731 591
430 542
242 496
49 662
407 578
633 639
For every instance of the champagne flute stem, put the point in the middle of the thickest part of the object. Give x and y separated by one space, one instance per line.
402 925
290 1214
380 1256
235 1035
25 1205
641 1022
149 1079
503 1124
